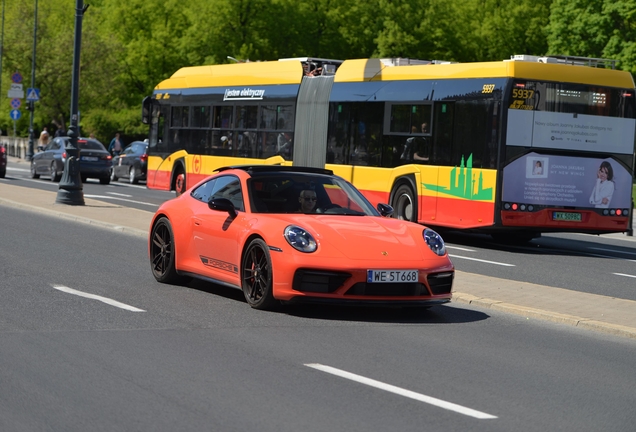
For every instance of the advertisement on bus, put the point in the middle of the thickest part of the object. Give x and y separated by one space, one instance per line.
560 181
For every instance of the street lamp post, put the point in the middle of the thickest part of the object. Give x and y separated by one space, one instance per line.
71 190
29 154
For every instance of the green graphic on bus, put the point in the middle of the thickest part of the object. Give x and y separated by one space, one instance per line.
462 183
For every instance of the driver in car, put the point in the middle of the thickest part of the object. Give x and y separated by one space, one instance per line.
307 201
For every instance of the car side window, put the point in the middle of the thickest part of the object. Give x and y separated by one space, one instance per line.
228 187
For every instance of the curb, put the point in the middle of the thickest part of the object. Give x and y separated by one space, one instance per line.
52 213
583 323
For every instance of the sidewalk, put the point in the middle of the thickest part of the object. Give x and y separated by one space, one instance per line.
588 311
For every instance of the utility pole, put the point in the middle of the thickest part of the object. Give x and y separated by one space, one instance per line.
31 105
71 189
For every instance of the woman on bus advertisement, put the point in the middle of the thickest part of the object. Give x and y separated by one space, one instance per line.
604 187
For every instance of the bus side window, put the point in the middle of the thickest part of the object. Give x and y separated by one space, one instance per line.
443 133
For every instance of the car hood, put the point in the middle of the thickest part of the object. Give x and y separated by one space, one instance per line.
366 237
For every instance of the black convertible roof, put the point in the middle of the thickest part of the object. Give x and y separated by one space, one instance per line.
276 168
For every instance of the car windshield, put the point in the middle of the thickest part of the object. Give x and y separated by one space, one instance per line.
287 192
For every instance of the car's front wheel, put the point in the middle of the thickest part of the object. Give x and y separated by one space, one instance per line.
256 276
162 257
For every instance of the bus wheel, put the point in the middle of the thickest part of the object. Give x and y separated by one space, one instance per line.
404 204
180 183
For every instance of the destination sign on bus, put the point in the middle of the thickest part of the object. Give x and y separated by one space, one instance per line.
243 94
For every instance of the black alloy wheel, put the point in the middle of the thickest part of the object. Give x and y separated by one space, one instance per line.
162 258
256 276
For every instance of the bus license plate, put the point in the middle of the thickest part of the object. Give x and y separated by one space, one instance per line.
392 276
566 216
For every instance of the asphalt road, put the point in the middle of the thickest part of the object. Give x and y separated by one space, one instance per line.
146 356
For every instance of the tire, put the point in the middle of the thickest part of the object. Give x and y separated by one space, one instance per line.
256 276
104 180
3 173
34 175
162 252
55 176
83 178
404 204
113 177
180 183
131 176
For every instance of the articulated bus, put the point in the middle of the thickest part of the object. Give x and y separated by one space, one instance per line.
512 148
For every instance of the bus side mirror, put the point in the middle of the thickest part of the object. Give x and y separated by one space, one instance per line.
146 110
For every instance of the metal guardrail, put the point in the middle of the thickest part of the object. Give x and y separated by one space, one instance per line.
16 147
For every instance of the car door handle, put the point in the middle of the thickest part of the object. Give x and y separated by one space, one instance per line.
197 221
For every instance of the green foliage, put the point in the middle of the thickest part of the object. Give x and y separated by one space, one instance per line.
129 46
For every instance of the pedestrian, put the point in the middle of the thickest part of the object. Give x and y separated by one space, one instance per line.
116 146
60 132
44 138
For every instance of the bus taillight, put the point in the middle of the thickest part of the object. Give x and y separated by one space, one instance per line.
520 207
616 212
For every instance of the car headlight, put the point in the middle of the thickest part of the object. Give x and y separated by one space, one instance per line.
300 239
434 241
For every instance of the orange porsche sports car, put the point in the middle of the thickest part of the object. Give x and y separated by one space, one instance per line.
284 234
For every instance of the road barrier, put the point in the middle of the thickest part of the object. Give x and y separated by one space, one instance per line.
16 147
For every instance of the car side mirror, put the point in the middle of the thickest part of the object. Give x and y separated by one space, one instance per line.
385 210
223 204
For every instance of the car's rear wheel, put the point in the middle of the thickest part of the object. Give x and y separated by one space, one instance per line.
162 257
34 174
132 177
104 180
55 177
256 276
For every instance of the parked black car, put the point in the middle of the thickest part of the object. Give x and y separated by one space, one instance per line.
3 161
95 161
132 163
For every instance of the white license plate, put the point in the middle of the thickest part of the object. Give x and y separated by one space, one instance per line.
566 216
90 158
392 276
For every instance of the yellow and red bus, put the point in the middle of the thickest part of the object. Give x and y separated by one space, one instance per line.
513 148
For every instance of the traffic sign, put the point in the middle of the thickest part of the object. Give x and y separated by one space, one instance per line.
16 91
15 114
16 78
33 94
16 103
